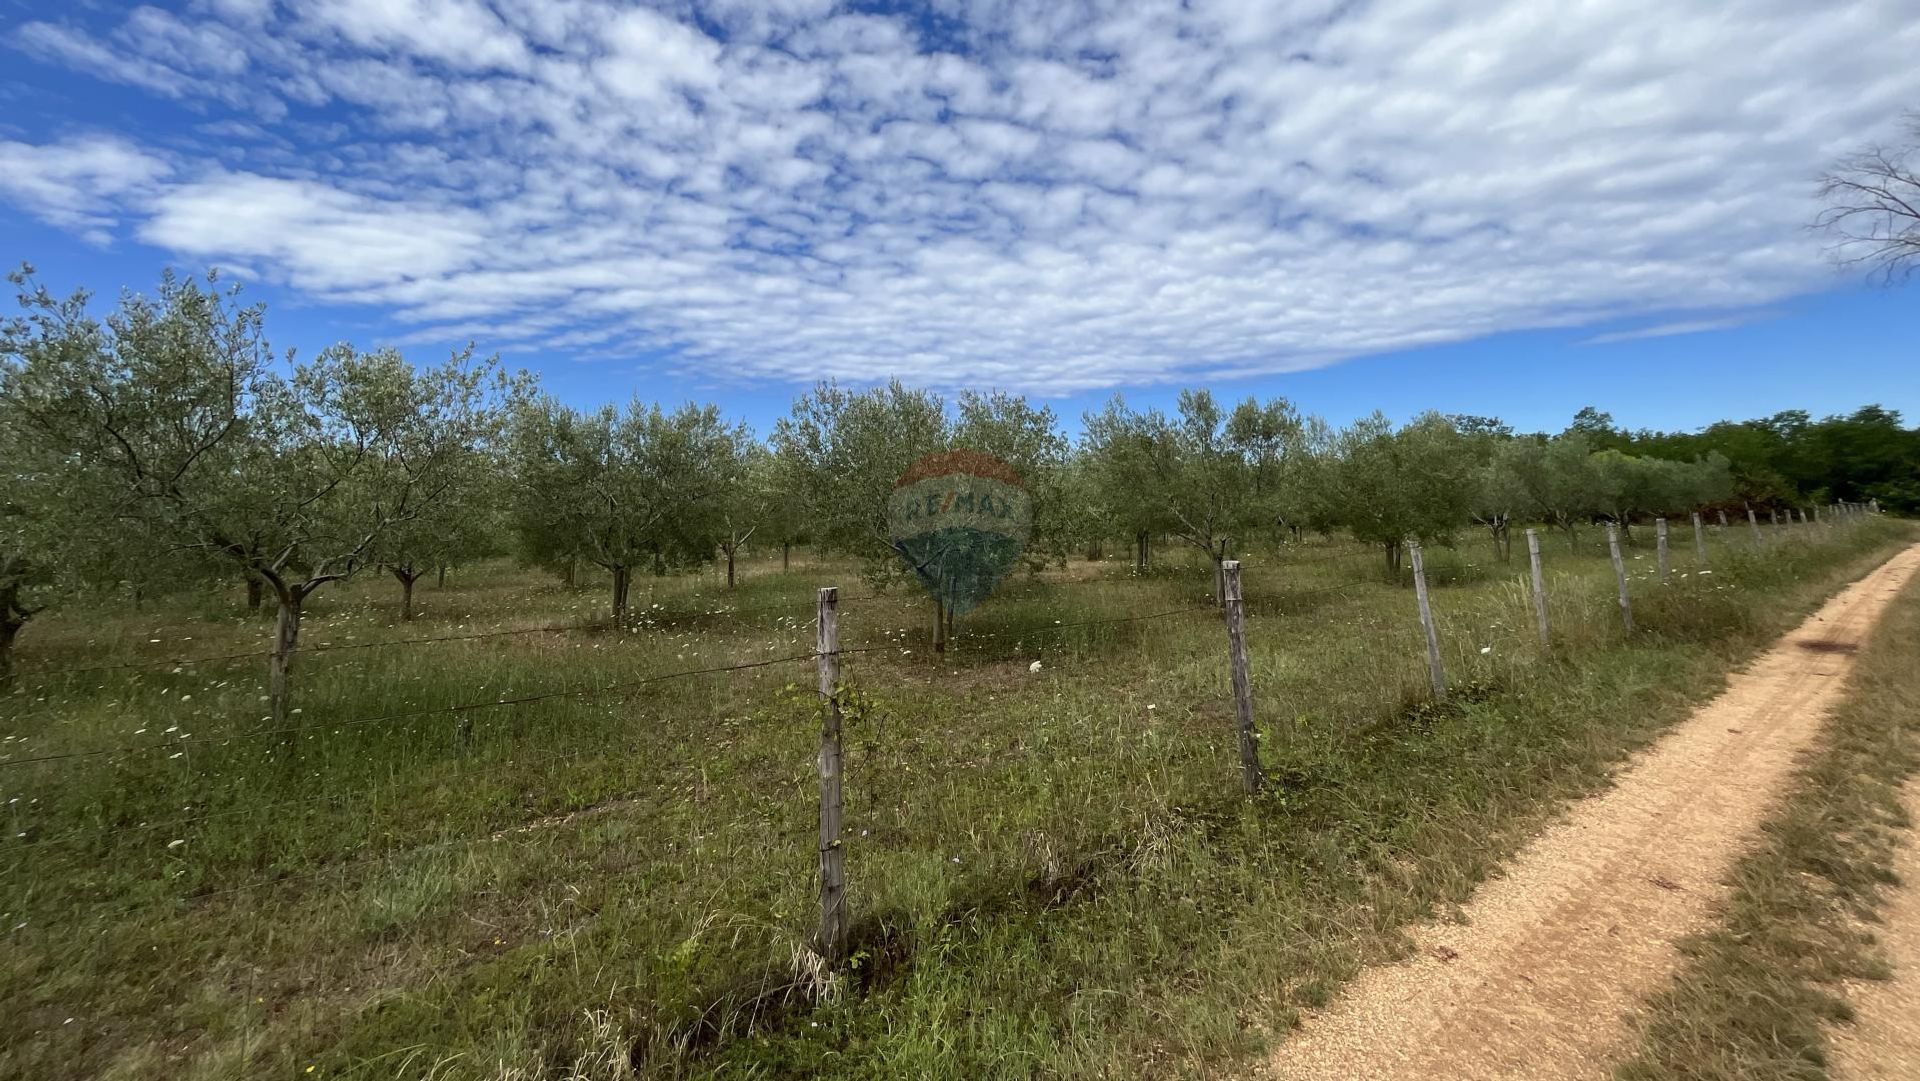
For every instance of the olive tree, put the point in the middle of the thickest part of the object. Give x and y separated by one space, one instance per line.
1009 428
31 499
841 452
1203 475
748 502
1412 484
464 519
623 489
1117 447
292 472
1499 492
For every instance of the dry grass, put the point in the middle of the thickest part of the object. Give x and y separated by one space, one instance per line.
1051 872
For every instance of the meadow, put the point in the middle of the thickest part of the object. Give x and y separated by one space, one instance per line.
603 866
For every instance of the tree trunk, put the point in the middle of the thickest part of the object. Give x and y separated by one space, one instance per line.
443 577
1140 552
12 618
786 555
729 568
286 638
622 577
1391 551
946 614
256 592
9 633
1220 572
570 575
406 576
939 625
1093 550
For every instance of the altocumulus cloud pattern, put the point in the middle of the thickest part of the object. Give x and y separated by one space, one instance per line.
1046 196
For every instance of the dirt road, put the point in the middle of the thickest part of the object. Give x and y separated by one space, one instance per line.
1537 982
1883 1043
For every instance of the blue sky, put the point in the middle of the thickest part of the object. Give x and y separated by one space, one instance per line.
1502 208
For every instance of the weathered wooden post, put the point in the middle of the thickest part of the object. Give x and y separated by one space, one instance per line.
1250 775
1435 669
1539 588
1620 575
1723 518
1753 524
831 939
1660 547
1699 541
1775 512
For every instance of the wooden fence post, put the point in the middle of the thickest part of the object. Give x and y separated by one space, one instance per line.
1699 541
1250 774
1660 546
1435 669
1723 518
1539 588
1753 524
831 940
1619 575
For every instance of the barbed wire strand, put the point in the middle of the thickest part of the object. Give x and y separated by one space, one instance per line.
464 707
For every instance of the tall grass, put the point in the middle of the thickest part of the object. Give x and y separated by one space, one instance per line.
1051 871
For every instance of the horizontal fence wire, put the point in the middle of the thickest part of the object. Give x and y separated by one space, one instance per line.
806 605
720 609
73 836
466 707
665 796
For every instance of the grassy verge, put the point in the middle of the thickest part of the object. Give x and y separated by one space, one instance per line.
1757 993
1051 873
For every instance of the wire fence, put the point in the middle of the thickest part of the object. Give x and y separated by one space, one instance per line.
874 733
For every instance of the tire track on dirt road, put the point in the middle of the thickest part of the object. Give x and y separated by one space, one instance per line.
1538 980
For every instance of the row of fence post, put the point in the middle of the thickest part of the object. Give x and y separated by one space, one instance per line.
1436 666
831 936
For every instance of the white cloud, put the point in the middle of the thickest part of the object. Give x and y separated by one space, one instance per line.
1685 326
463 34
77 183
1046 196
321 238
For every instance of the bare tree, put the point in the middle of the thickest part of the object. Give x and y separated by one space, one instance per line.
1872 210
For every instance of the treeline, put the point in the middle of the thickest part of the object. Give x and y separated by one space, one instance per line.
1790 457
165 442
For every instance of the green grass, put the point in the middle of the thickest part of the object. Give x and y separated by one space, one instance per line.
1051 872
1757 994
